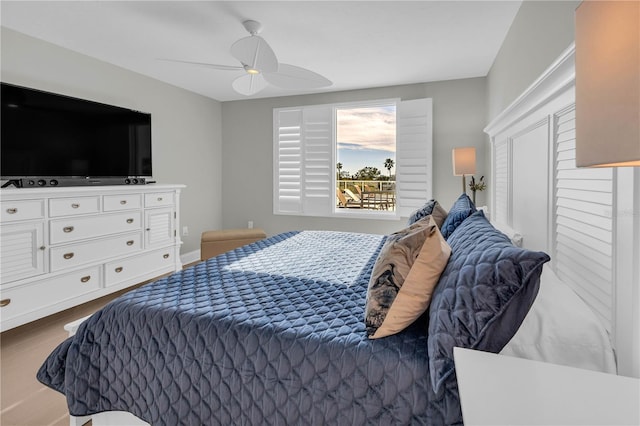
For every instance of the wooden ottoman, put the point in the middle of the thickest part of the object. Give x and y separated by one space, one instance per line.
213 243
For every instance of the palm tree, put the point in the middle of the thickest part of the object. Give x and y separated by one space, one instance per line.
339 167
388 164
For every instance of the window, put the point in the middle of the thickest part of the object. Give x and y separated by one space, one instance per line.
306 152
365 146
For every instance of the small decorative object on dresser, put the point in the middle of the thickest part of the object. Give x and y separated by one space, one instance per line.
64 246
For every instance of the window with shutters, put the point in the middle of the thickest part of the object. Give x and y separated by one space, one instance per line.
314 171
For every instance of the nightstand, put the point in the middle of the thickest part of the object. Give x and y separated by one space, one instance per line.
502 390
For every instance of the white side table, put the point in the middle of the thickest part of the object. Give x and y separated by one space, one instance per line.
502 390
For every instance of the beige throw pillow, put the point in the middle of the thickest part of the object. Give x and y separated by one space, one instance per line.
439 214
404 277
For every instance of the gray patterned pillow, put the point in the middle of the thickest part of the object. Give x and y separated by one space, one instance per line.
404 277
433 208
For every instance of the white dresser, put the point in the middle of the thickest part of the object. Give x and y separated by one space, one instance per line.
60 247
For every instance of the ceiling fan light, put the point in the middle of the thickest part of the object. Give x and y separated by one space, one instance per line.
252 71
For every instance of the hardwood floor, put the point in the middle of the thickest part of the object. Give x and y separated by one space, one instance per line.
23 400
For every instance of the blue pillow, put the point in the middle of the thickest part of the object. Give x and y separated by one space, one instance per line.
461 209
483 294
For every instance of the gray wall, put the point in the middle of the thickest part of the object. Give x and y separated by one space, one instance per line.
540 32
186 127
247 152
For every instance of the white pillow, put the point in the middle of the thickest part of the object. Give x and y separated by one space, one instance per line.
514 236
561 329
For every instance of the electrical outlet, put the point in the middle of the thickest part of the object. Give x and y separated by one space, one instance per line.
250 224
185 231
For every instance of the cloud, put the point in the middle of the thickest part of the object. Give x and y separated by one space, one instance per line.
367 128
352 146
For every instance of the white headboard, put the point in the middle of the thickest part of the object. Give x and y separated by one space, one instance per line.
587 219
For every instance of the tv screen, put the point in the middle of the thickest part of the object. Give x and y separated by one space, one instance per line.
50 135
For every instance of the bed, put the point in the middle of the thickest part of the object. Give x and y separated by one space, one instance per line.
275 333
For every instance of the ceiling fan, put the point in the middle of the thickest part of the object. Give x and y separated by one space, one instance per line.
261 66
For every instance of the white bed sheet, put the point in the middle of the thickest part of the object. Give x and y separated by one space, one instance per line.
561 329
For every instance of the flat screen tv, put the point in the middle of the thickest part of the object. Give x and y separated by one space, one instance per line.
49 139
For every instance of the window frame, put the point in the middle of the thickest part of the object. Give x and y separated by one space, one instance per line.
360 213
288 191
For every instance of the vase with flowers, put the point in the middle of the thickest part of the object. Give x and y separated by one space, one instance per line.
476 185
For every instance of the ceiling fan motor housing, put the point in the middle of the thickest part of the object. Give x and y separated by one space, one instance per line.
253 27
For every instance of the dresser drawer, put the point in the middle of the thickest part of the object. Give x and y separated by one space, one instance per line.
80 253
158 199
121 202
78 228
72 206
139 266
22 210
31 297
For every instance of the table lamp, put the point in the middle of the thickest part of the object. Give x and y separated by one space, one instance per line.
464 163
608 84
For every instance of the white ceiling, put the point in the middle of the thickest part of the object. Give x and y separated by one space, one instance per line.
355 44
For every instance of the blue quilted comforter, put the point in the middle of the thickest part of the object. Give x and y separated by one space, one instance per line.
271 333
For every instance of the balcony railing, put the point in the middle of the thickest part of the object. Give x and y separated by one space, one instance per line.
366 194
374 185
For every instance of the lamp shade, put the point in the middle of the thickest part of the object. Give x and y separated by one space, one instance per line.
464 161
608 84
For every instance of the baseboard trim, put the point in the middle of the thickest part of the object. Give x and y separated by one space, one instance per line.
191 257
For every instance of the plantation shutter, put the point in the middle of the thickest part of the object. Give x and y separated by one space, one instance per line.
501 181
318 161
303 161
287 128
414 151
584 225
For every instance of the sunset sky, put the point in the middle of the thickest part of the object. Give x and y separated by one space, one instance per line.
366 137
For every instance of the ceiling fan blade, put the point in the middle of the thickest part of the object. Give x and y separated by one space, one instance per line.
204 64
249 84
256 53
296 78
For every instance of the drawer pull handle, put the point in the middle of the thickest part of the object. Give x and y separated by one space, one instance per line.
12 211
4 302
166 255
129 220
75 205
42 247
85 279
159 198
68 229
123 202
119 269
67 255
130 242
